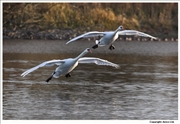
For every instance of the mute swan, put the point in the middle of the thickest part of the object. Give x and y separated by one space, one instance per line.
109 37
67 65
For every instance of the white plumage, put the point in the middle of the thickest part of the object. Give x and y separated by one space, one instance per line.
97 61
109 37
47 63
67 65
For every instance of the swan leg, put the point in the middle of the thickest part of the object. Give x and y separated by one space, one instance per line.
68 75
50 77
95 46
112 47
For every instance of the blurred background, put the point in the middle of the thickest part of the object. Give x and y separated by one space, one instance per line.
39 20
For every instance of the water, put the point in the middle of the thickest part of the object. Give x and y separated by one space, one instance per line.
145 87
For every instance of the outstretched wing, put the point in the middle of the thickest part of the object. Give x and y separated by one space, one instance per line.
47 63
134 32
86 35
97 61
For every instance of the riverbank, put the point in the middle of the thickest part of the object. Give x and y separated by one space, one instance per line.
58 34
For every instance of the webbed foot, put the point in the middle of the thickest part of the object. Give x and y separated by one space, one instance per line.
95 46
68 75
50 77
111 47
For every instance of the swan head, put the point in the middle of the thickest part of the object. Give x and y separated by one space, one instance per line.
120 28
88 50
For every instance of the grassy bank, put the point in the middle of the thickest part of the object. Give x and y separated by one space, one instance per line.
153 18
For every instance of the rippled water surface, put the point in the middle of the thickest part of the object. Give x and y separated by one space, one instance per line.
145 87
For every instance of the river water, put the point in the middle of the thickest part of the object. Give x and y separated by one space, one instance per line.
145 87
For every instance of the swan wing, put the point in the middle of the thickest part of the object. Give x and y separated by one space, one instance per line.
46 63
134 32
97 61
86 35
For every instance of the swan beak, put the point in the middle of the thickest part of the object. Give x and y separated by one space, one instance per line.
89 51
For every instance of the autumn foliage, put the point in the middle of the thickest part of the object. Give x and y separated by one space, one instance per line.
150 17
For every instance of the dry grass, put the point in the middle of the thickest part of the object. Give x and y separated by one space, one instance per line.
91 16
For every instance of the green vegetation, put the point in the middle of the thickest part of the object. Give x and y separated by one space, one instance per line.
161 18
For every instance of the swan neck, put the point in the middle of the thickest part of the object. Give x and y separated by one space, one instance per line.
80 55
116 30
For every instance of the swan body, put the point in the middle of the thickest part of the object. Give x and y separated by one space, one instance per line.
67 65
109 37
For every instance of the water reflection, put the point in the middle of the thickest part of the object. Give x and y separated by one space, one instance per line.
144 87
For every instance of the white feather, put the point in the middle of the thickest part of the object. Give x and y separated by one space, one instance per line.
108 37
134 32
87 35
47 63
97 61
67 65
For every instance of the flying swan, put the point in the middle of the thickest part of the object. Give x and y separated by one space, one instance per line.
67 65
109 37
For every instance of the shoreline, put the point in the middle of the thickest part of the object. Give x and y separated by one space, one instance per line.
58 34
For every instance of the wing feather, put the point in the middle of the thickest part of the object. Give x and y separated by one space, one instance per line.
86 35
134 32
46 63
97 61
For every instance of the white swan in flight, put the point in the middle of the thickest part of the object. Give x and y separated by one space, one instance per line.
67 65
109 37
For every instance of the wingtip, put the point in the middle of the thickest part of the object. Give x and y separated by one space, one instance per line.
22 75
155 38
117 66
